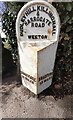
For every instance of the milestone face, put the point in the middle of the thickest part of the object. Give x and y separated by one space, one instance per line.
37 22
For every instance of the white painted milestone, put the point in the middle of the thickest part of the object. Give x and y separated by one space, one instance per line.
37 30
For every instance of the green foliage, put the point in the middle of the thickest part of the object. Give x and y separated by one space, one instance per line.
8 22
65 11
69 7
64 63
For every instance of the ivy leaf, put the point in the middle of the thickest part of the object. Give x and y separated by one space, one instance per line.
6 44
69 7
66 37
66 19
70 21
69 28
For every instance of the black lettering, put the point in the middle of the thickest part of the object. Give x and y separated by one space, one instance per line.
33 37
33 9
36 37
47 20
44 77
28 11
45 36
36 24
31 19
49 23
41 78
32 24
42 37
41 82
38 8
41 19
43 25
39 36
42 8
46 10
44 20
27 78
37 19
21 33
39 25
54 27
54 22
23 18
25 23
34 18
53 32
28 21
50 13
29 36
52 18
34 78
45 80
38 13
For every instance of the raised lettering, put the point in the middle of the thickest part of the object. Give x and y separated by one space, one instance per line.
38 7
29 36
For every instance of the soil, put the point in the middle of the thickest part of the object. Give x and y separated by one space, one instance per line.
19 102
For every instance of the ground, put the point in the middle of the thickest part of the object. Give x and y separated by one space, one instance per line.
19 102
55 102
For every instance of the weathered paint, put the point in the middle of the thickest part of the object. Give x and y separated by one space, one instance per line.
37 44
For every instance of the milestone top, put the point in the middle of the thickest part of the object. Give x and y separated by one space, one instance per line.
37 21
